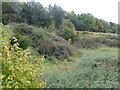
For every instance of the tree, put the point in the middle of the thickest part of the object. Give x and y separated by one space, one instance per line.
67 23
67 30
99 25
85 22
106 26
118 31
113 27
36 14
7 13
57 14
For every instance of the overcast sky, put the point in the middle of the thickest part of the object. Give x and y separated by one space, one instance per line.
103 9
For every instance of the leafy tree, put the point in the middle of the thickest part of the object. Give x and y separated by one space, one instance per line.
106 26
68 15
99 25
84 22
7 12
57 14
36 14
118 31
67 23
87 22
68 30
113 27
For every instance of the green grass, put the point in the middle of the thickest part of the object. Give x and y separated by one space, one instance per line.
94 69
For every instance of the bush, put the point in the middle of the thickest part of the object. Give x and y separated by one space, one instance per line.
111 43
111 37
23 29
18 70
24 41
67 33
51 45
88 42
46 43
96 42
67 30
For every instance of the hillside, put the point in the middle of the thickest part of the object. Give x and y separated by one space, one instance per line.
48 47
90 61
92 64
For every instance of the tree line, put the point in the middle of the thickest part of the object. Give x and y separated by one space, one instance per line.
34 13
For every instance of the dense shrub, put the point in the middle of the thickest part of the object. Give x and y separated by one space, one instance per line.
67 30
111 43
23 29
95 42
46 43
110 40
18 70
51 45
24 41
88 42
67 33
110 37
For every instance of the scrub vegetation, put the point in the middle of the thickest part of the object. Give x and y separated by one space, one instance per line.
52 48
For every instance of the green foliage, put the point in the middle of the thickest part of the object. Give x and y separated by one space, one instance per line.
97 69
23 29
46 43
118 28
34 13
51 45
5 18
67 33
87 22
18 69
38 14
67 23
57 14
68 30
24 41
113 27
88 41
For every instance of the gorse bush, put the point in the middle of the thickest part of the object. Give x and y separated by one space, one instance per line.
18 70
